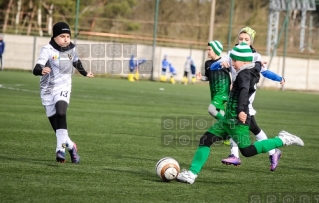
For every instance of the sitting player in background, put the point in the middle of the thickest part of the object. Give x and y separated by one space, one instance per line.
134 67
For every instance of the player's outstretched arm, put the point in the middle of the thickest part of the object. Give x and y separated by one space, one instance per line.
79 67
90 75
225 61
216 66
272 76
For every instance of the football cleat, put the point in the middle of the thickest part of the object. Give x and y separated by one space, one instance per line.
231 160
186 177
289 139
60 156
274 159
75 158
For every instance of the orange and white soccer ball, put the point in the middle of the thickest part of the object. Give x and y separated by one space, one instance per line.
167 169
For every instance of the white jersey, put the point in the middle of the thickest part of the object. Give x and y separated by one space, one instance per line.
59 79
256 57
187 66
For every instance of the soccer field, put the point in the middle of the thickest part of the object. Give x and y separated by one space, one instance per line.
117 126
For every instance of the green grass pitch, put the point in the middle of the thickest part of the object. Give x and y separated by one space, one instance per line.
118 128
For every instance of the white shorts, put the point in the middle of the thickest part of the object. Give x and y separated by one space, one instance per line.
252 111
49 100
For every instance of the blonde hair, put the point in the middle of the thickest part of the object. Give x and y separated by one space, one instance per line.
251 32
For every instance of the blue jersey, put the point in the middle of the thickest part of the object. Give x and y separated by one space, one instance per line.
165 64
2 45
132 63
172 69
140 61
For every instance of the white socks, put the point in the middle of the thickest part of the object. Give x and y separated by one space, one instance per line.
234 148
62 137
70 143
263 136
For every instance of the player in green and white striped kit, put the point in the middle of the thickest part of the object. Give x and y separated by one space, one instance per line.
219 80
236 121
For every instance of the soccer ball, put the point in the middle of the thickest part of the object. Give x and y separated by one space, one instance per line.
167 169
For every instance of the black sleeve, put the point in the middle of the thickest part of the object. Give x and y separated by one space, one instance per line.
258 66
79 67
256 72
37 70
207 70
243 82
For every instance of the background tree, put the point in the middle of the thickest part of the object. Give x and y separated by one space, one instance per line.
186 20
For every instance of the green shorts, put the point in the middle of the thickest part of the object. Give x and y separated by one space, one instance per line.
238 132
219 101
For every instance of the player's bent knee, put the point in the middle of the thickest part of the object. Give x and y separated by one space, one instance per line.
212 110
254 128
208 139
61 107
248 151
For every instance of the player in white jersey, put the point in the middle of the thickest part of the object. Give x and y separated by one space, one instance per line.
187 69
247 35
55 66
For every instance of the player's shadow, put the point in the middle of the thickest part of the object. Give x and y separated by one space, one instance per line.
137 158
144 174
29 160
303 169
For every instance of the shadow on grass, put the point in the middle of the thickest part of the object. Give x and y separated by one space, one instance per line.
29 160
147 160
315 170
144 174
137 158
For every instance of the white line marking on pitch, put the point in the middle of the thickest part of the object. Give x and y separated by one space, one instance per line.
17 89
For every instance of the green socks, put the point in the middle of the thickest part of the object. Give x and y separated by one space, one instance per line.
202 153
200 158
264 146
